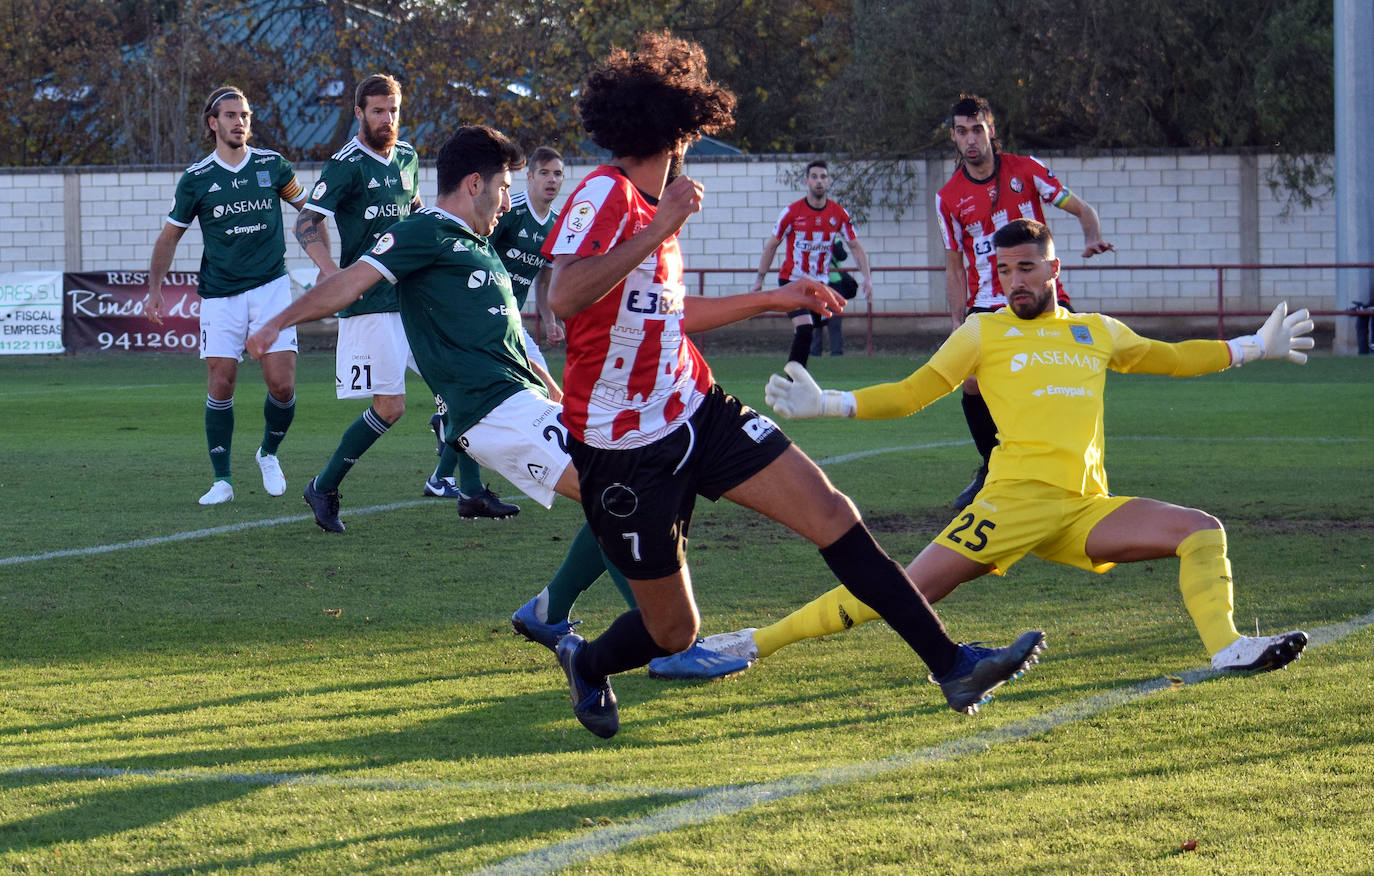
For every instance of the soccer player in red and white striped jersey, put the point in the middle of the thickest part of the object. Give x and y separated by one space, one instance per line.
810 227
989 189
648 428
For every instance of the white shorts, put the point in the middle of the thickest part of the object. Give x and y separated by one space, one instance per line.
226 323
372 356
532 350
523 439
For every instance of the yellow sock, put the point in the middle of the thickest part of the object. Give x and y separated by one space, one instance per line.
829 613
1204 576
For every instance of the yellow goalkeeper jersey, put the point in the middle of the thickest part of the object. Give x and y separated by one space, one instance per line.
1043 381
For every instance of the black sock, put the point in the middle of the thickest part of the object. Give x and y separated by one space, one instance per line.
980 424
625 645
874 577
801 344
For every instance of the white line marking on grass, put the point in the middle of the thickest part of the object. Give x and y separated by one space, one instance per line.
275 521
733 799
297 518
195 533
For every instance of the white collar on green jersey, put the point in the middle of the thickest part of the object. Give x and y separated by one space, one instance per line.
363 147
247 157
458 219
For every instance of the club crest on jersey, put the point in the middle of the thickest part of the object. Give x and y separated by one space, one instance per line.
1015 185
384 243
320 189
580 216
264 179
1081 334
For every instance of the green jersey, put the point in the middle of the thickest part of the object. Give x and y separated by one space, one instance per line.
367 194
458 312
518 238
239 209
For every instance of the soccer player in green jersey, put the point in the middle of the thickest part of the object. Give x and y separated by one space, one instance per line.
235 193
520 234
518 239
1043 369
463 325
366 187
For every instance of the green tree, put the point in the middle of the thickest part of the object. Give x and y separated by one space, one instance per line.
53 111
1090 73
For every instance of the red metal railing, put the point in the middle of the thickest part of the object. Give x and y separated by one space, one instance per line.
1220 312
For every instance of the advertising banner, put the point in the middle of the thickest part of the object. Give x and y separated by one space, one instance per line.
107 310
31 312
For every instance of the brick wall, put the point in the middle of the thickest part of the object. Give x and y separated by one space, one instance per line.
1159 210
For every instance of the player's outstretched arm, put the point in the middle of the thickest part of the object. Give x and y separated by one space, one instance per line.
801 398
1284 335
703 314
332 294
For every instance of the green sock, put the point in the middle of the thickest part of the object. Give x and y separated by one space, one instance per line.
448 461
469 474
581 567
219 433
361 434
620 582
278 415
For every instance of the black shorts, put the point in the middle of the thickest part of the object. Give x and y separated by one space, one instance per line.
816 318
639 502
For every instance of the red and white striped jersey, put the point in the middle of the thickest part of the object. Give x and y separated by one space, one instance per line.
970 211
632 374
806 234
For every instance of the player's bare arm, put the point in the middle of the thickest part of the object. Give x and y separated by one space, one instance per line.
703 314
164 249
956 287
312 233
861 259
329 296
1092 226
553 329
554 391
770 249
579 282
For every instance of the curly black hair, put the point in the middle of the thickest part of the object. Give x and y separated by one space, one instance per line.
640 103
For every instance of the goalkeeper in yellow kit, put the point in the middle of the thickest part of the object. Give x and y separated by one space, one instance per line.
1043 371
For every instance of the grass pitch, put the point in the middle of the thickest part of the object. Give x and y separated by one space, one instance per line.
187 689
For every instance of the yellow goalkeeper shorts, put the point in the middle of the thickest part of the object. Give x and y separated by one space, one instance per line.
1010 519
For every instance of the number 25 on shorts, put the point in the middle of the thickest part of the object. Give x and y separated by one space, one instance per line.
975 540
